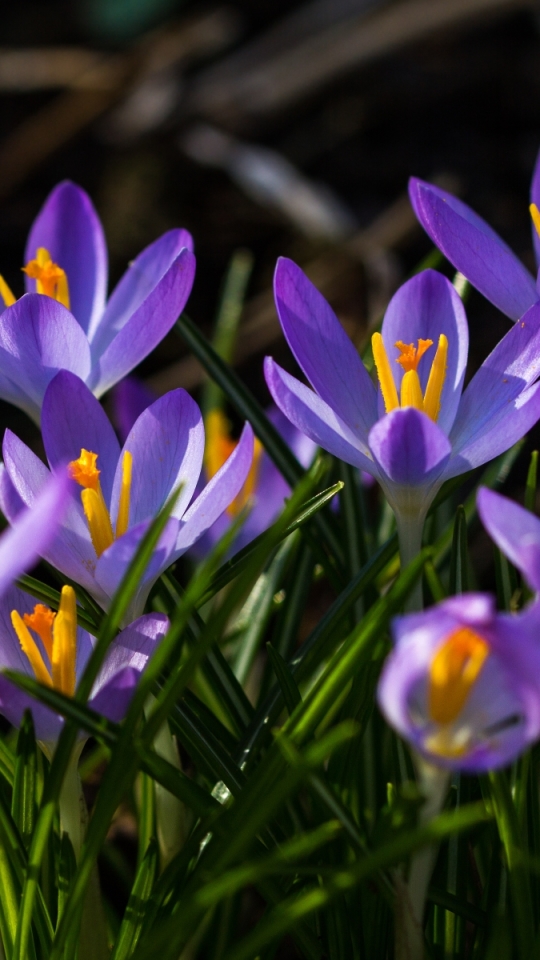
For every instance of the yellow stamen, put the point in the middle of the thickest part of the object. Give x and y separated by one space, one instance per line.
29 647
437 375
84 470
122 520
6 293
50 279
219 447
535 214
384 373
454 670
64 652
411 355
41 622
411 391
97 517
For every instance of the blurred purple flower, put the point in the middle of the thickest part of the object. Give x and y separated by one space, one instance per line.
55 650
470 244
420 427
33 530
123 490
99 341
462 684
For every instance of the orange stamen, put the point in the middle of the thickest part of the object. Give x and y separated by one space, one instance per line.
411 355
50 279
41 622
84 470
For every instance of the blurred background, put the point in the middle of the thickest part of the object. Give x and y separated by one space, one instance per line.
278 127
274 128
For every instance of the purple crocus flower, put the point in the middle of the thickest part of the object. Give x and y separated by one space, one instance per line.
516 532
474 249
53 649
32 531
462 683
120 491
265 487
64 320
419 427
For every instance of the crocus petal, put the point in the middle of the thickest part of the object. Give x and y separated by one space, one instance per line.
322 348
499 434
515 531
72 419
13 704
409 448
71 549
152 319
69 228
129 398
115 696
113 563
26 471
474 249
39 337
496 409
33 531
142 275
167 446
133 647
222 489
316 418
535 198
424 308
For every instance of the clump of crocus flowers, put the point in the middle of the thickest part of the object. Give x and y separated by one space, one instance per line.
461 683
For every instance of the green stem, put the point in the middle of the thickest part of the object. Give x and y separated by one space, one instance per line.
520 891
410 545
411 897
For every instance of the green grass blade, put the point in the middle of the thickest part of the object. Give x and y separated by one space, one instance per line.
23 802
289 689
137 907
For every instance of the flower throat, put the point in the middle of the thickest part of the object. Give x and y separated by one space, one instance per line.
411 390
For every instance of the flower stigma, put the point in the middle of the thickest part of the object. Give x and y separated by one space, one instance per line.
58 635
411 389
219 447
85 472
453 672
50 279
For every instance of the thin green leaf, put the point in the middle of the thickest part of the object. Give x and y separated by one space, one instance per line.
279 920
138 903
23 803
287 683
532 483
243 559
